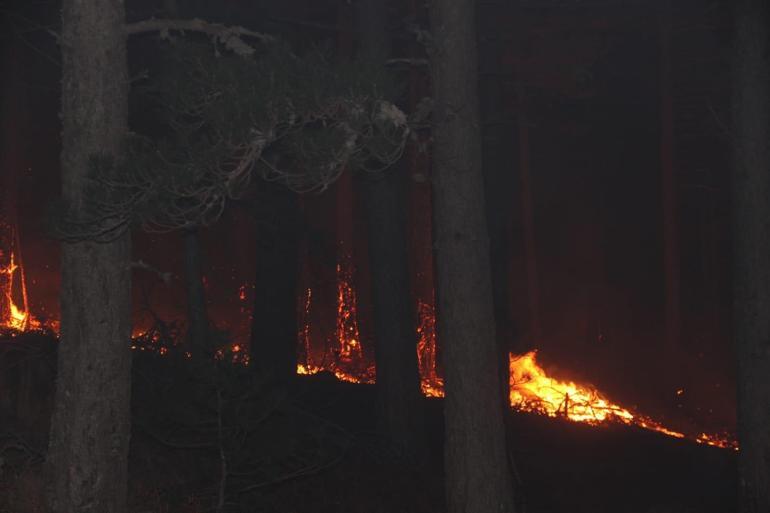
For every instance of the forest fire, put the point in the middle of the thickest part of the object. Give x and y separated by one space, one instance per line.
532 389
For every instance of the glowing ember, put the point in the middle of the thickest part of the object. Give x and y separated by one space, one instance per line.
347 333
345 359
431 383
14 317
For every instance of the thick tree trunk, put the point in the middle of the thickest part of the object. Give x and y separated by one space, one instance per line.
751 250
90 427
197 316
395 336
478 478
274 318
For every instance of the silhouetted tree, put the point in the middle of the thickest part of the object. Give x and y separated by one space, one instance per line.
88 452
395 335
751 249
672 295
198 326
274 317
478 478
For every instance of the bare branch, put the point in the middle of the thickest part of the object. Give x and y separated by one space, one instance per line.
141 264
230 36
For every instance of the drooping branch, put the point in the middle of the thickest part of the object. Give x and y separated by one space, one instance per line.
232 37
298 121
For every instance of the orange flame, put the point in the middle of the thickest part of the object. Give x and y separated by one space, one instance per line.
531 388
16 318
431 383
347 360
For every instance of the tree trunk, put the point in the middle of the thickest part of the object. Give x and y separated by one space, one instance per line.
12 146
91 425
751 250
395 336
198 326
527 210
197 317
478 478
670 218
274 318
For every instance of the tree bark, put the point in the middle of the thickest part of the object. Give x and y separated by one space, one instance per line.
478 478
12 148
527 209
395 335
274 318
672 296
197 317
91 425
751 250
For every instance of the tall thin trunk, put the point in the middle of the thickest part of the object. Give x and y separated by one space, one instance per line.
478 479
527 210
395 336
11 162
90 430
198 326
274 318
197 317
670 216
751 249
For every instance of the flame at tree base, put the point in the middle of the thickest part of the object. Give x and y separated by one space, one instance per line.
532 390
13 288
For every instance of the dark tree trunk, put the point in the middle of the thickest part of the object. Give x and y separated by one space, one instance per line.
395 335
90 427
274 318
751 250
670 218
527 211
197 317
198 325
11 162
478 478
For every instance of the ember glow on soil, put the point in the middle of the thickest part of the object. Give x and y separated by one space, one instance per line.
531 388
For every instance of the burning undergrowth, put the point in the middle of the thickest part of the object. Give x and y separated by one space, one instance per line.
344 355
312 447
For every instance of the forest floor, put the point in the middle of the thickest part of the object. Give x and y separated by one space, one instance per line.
314 449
